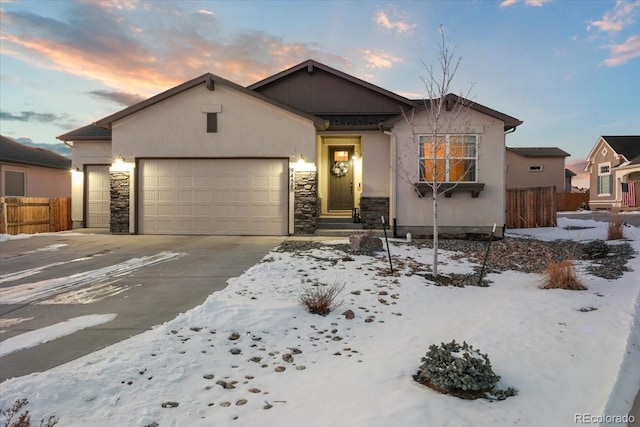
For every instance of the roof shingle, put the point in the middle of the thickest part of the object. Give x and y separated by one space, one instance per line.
14 152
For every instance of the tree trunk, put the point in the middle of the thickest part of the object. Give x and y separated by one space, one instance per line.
435 231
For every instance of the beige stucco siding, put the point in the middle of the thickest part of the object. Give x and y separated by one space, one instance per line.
247 127
461 208
520 175
40 181
85 153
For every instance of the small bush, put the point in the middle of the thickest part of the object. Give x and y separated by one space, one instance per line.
23 418
615 229
562 275
461 371
320 298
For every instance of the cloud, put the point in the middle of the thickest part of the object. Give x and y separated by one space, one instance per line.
534 3
27 116
98 41
617 19
621 53
379 59
121 98
59 148
398 22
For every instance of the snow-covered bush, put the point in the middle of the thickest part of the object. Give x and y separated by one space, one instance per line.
460 370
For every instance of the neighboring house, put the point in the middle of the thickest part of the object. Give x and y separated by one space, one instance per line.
614 167
32 172
568 177
529 167
213 157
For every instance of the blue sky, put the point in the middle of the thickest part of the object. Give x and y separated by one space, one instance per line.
569 69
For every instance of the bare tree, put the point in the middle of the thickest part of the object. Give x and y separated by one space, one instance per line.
440 136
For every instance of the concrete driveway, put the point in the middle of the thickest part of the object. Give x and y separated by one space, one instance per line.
144 280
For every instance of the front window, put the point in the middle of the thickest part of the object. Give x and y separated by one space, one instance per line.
448 158
604 179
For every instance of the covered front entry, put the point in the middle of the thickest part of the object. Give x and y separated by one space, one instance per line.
213 196
98 196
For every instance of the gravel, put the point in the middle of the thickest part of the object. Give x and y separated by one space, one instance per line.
509 253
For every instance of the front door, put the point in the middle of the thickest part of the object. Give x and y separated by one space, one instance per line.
340 178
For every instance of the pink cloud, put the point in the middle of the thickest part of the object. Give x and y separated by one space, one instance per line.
379 59
617 19
534 3
398 22
622 53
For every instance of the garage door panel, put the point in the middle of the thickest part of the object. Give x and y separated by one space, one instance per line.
216 196
98 196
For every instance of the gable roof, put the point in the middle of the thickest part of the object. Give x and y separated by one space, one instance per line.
14 152
452 99
309 65
627 146
210 80
539 151
89 132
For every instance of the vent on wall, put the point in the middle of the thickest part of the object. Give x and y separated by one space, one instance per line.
212 122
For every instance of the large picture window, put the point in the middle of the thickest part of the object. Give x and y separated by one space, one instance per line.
448 158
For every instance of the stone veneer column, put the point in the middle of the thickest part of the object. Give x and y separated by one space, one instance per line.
371 209
119 223
305 220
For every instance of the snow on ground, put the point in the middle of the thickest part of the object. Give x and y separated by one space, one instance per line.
49 333
286 367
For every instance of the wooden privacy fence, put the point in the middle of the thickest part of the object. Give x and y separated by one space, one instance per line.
531 207
30 215
571 201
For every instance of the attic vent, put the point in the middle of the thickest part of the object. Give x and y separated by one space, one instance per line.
212 122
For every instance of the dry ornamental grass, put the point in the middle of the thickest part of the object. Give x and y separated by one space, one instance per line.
562 275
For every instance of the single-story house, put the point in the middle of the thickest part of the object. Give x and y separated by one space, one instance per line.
614 167
530 167
212 157
32 171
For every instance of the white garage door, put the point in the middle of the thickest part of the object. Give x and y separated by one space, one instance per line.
98 197
213 196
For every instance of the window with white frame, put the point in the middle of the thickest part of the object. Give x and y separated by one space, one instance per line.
15 183
604 179
535 168
448 158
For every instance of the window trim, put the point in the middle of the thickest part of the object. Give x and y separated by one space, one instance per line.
603 174
447 158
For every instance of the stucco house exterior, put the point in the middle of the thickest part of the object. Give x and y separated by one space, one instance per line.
212 157
529 167
32 172
614 167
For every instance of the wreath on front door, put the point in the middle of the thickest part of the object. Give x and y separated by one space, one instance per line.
340 169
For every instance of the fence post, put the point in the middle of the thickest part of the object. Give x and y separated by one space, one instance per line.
3 216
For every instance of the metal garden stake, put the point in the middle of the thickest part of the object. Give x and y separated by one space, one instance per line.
387 242
486 255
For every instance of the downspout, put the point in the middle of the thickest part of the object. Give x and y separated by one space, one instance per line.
512 130
393 162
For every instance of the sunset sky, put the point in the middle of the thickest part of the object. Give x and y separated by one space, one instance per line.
569 69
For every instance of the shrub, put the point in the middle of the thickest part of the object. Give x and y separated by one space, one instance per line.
614 231
320 298
23 418
562 275
461 371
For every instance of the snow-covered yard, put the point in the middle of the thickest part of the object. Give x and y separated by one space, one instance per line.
251 355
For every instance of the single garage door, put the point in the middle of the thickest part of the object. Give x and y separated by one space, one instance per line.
213 196
98 196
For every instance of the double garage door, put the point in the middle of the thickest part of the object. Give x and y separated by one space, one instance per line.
213 196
